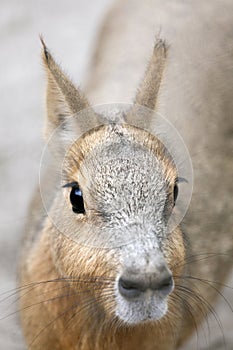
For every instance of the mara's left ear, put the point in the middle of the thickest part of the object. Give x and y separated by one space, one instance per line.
64 100
148 91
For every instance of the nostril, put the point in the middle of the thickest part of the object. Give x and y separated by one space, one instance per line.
130 289
165 286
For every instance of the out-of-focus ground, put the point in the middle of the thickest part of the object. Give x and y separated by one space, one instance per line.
70 29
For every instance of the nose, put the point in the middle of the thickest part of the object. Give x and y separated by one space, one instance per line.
132 286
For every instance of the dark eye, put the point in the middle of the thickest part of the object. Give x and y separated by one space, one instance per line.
76 200
175 193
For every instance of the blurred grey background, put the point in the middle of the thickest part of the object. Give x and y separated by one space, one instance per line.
70 29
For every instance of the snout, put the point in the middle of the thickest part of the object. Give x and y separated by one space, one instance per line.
135 285
142 288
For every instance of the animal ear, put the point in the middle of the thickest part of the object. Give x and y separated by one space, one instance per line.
64 100
147 94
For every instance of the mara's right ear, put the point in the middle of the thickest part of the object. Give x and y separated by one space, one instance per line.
64 100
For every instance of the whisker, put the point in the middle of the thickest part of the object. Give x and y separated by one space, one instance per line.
42 302
29 288
203 256
93 280
50 323
209 283
208 307
189 308
86 306
201 279
73 306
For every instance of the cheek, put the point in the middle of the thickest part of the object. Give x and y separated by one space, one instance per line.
76 260
94 274
174 252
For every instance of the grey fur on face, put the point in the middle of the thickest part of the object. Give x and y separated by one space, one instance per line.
142 260
118 169
122 169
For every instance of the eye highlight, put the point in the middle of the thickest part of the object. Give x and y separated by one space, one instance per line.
76 198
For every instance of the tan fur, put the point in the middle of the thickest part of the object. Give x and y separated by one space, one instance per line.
98 330
68 300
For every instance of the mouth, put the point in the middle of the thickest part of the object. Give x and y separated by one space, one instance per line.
145 308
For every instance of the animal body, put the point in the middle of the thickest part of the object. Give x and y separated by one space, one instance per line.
119 181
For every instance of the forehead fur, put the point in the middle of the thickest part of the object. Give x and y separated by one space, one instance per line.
125 175
118 140
118 162
122 176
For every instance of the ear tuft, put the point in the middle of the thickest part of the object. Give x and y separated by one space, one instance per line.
161 46
45 52
49 61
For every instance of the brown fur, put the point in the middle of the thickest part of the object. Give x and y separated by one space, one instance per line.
68 300
46 322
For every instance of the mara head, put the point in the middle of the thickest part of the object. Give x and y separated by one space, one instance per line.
110 213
